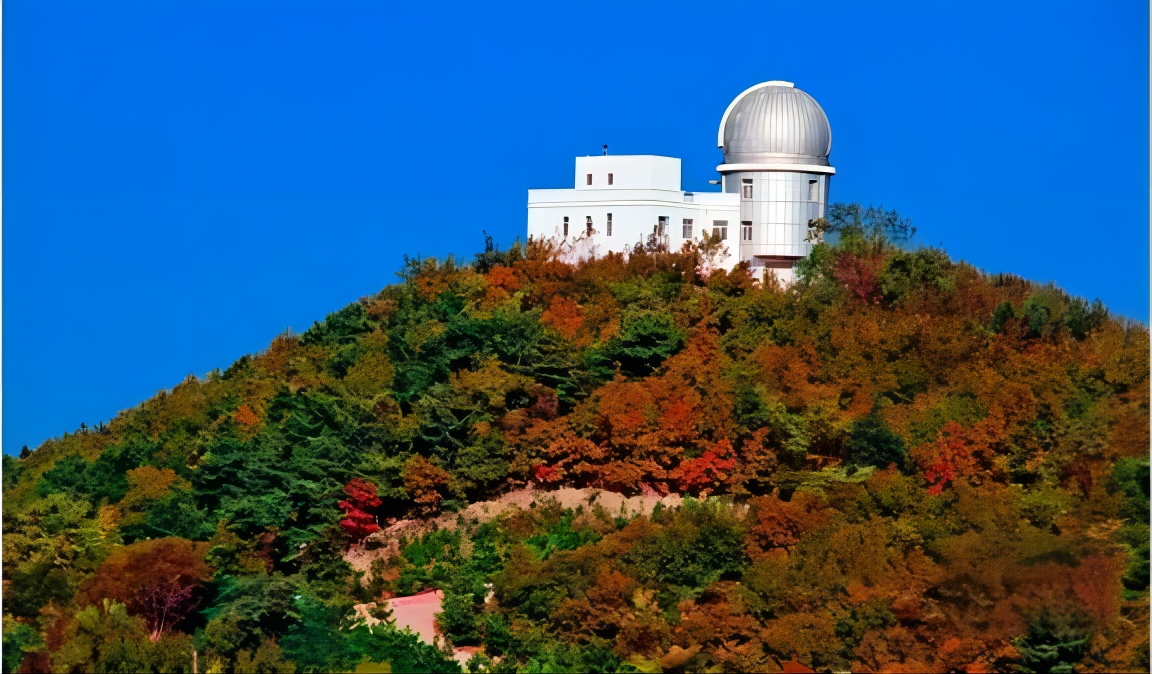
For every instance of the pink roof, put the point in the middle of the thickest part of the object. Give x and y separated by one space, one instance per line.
427 597
418 612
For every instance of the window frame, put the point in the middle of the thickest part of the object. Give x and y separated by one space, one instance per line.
720 227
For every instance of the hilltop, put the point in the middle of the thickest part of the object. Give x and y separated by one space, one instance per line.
899 462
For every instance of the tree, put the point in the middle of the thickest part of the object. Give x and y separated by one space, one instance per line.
774 524
710 471
156 579
19 638
948 458
147 485
871 443
425 482
105 638
1001 316
358 522
564 316
644 342
1081 319
1017 538
859 226
1055 643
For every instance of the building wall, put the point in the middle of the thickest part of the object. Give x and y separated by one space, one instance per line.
634 217
645 191
642 171
781 205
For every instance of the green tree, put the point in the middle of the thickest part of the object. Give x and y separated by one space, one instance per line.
645 341
871 443
1055 643
19 638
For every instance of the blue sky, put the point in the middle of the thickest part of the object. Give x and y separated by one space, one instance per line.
185 180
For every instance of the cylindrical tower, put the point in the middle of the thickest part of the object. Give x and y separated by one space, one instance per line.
776 140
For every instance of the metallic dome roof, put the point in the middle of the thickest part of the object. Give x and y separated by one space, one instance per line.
774 122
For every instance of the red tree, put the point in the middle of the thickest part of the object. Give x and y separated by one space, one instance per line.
358 522
709 471
860 276
950 457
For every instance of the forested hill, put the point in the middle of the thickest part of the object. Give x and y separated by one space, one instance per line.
897 463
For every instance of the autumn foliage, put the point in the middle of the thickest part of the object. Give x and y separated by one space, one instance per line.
897 463
358 521
157 579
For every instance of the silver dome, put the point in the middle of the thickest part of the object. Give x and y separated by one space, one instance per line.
775 123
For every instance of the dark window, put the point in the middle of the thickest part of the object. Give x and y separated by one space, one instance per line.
588 225
746 189
609 219
745 231
589 179
609 178
565 225
720 229
813 190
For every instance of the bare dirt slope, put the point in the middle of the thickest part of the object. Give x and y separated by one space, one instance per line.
386 543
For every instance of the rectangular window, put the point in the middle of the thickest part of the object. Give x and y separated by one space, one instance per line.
589 179
588 225
813 190
745 231
687 228
609 219
720 229
609 178
746 189
662 227
565 225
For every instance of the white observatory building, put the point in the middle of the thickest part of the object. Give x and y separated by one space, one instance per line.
776 140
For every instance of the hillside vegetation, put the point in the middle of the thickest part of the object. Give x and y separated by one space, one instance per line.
897 463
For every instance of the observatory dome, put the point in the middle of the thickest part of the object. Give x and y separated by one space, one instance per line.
775 123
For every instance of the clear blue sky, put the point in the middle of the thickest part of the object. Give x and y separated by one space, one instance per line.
185 180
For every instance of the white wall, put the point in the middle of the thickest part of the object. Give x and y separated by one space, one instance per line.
646 187
638 171
634 214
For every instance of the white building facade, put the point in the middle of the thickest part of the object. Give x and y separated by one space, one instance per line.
776 140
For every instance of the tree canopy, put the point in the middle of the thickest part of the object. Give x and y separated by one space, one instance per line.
897 463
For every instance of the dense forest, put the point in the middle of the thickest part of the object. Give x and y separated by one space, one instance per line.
897 463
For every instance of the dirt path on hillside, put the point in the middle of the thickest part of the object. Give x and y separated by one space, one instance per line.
385 544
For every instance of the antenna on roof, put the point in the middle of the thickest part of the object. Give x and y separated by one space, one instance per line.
605 150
